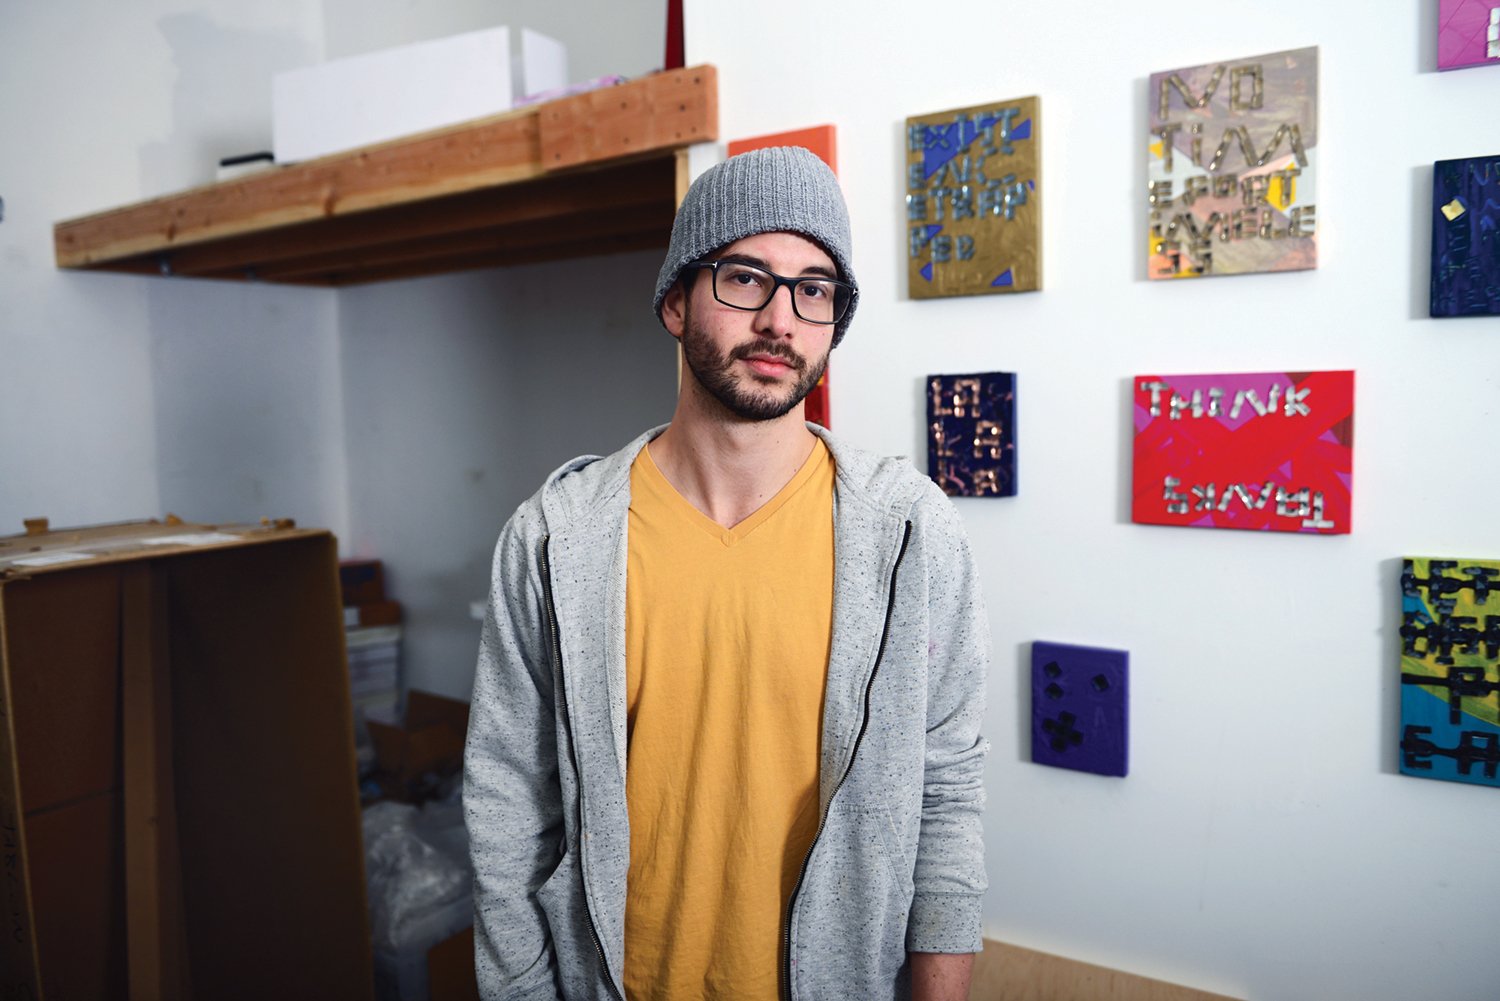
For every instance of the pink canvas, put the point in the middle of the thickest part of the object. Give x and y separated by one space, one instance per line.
1468 33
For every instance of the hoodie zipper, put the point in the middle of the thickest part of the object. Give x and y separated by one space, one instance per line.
885 632
556 633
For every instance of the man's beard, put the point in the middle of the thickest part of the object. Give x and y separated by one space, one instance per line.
714 372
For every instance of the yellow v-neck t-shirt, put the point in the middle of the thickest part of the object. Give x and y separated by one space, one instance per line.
726 635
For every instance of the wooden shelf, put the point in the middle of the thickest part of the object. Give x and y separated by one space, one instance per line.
595 173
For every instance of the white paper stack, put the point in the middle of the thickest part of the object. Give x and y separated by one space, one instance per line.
374 667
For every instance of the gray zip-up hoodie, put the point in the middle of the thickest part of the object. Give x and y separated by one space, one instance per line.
897 864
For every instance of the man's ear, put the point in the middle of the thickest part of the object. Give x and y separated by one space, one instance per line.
674 310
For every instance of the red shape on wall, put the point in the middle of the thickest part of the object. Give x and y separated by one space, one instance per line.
816 409
675 59
821 140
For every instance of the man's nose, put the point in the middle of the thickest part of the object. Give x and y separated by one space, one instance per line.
777 317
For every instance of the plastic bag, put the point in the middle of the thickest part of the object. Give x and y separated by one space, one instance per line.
408 877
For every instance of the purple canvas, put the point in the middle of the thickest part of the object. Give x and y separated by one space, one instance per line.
1465 253
1468 33
1080 707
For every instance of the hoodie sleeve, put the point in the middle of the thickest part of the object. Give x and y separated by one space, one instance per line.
512 799
950 875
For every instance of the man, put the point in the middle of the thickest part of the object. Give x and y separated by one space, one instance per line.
725 730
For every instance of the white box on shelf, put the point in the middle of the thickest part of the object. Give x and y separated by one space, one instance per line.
347 103
543 65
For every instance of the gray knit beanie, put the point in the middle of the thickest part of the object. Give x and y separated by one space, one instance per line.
777 189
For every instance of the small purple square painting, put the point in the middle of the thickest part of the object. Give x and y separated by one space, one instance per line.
971 433
1468 33
1080 707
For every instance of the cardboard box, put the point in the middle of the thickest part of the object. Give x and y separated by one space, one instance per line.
179 813
428 744
361 582
347 103
450 969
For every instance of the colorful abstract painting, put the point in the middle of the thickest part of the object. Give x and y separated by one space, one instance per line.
1080 708
1468 33
1264 450
973 200
1450 669
971 433
822 140
1232 167
1466 237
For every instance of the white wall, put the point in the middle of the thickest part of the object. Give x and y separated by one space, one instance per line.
462 392
602 37
124 398
1263 845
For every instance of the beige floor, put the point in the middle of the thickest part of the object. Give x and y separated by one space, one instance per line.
1011 973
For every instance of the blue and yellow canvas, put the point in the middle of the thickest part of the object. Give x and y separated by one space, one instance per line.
1450 669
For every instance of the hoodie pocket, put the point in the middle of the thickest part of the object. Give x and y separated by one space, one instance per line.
898 867
561 901
854 908
860 905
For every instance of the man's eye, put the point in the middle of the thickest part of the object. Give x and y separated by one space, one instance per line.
815 290
745 279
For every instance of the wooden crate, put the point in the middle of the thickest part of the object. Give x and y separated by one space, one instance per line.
179 814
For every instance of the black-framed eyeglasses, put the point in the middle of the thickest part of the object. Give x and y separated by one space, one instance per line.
744 286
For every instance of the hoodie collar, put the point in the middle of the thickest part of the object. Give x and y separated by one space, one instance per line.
578 488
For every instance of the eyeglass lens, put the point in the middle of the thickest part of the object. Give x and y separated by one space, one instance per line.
816 300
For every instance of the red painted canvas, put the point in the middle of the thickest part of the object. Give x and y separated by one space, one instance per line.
1266 450
819 139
